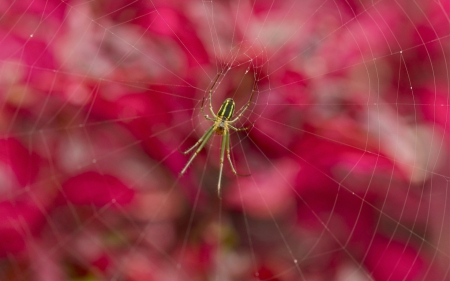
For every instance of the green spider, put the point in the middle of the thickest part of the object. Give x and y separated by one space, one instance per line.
222 125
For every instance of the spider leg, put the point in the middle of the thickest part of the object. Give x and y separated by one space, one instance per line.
229 159
202 141
222 158
210 103
247 105
198 142
210 91
206 115
241 129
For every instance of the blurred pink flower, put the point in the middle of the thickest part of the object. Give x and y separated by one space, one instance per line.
96 189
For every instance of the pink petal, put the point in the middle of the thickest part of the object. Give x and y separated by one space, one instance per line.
99 190
267 193
18 221
23 163
392 260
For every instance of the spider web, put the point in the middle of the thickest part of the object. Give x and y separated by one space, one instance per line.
347 150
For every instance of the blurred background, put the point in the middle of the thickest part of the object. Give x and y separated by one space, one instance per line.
347 151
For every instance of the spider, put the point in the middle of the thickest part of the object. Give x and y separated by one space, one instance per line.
222 124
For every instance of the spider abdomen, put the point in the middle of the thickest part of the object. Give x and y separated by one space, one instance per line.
226 110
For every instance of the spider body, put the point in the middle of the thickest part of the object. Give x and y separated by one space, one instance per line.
226 110
224 115
223 122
